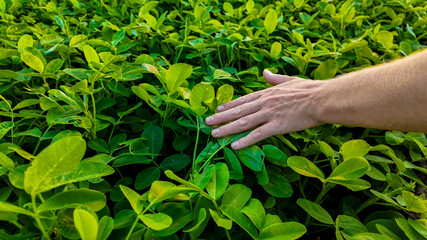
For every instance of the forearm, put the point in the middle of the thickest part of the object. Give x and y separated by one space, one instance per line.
390 96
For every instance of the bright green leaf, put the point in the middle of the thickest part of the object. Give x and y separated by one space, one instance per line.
86 224
58 158
316 211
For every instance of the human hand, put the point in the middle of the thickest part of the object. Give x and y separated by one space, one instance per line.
287 107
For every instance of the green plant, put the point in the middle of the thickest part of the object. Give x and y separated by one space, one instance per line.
102 133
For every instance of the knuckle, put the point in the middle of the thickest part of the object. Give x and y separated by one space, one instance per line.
243 121
238 110
257 133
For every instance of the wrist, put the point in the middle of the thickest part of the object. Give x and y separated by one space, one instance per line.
325 102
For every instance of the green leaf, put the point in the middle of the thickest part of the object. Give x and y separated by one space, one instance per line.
180 215
172 176
84 171
54 66
86 224
354 185
316 211
105 227
274 155
154 136
410 232
219 181
228 8
133 198
7 207
420 225
117 37
389 152
176 75
90 55
175 162
78 40
8 74
262 176
220 221
7 53
99 145
385 38
201 93
129 160
157 221
414 203
236 195
255 212
5 127
117 87
161 190
326 149
224 93
278 186
236 171
238 217
326 70
270 21
351 223
26 103
6 161
25 41
305 167
200 219
394 137
150 68
2 6
33 61
369 236
276 49
352 168
79 74
252 157
73 198
61 157
202 180
354 148
279 231
146 177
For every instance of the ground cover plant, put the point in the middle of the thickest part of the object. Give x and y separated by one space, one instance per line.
102 134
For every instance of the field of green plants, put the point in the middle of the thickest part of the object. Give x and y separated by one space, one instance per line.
102 133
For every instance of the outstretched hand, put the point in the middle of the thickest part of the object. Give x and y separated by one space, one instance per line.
287 107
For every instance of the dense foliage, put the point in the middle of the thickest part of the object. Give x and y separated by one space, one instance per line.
102 134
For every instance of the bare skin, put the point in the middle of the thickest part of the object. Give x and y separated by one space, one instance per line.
389 96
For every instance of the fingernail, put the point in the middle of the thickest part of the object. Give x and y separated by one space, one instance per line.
215 132
209 119
219 108
235 145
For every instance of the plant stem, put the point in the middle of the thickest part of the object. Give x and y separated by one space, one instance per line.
197 143
94 117
325 189
366 204
40 139
132 228
36 216
228 234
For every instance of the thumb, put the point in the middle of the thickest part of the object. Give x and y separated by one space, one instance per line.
275 79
